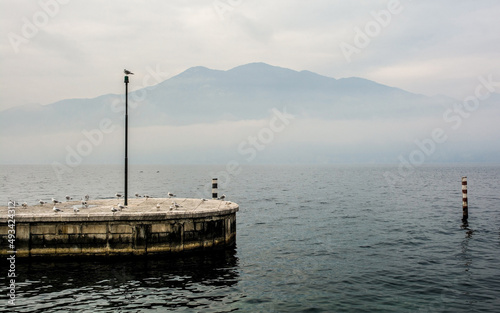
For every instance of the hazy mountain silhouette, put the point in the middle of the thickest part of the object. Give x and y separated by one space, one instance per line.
211 116
202 95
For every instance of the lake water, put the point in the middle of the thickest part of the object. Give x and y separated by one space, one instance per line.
309 239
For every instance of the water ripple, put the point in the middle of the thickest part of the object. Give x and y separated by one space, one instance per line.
310 239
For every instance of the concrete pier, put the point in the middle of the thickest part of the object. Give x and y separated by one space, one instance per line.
144 227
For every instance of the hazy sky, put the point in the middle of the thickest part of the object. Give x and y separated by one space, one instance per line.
58 49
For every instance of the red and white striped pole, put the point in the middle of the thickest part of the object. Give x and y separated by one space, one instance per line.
465 203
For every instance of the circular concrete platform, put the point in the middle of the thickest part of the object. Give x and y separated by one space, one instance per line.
144 226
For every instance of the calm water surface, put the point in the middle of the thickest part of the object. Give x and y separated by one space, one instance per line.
309 239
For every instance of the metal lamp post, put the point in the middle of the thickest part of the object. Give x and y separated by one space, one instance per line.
126 140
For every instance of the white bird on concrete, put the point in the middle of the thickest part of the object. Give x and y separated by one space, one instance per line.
203 199
137 195
175 204
118 195
76 210
171 207
41 202
157 205
55 201
127 72
87 197
113 209
56 209
25 205
84 203
121 206
170 195
68 198
146 196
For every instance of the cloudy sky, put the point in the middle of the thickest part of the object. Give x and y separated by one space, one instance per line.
58 49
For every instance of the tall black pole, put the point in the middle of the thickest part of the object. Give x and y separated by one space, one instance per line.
126 141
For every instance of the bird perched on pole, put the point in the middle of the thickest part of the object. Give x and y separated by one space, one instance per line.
127 72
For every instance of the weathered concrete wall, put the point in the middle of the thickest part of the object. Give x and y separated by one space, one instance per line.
120 237
125 234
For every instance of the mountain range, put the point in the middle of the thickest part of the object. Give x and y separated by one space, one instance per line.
246 92
202 96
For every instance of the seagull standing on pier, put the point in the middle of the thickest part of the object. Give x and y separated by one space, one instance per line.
137 195
25 205
118 195
41 202
55 201
113 209
76 210
127 72
170 195
56 209
87 197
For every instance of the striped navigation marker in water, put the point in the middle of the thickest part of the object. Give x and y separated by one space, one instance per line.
214 188
465 203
